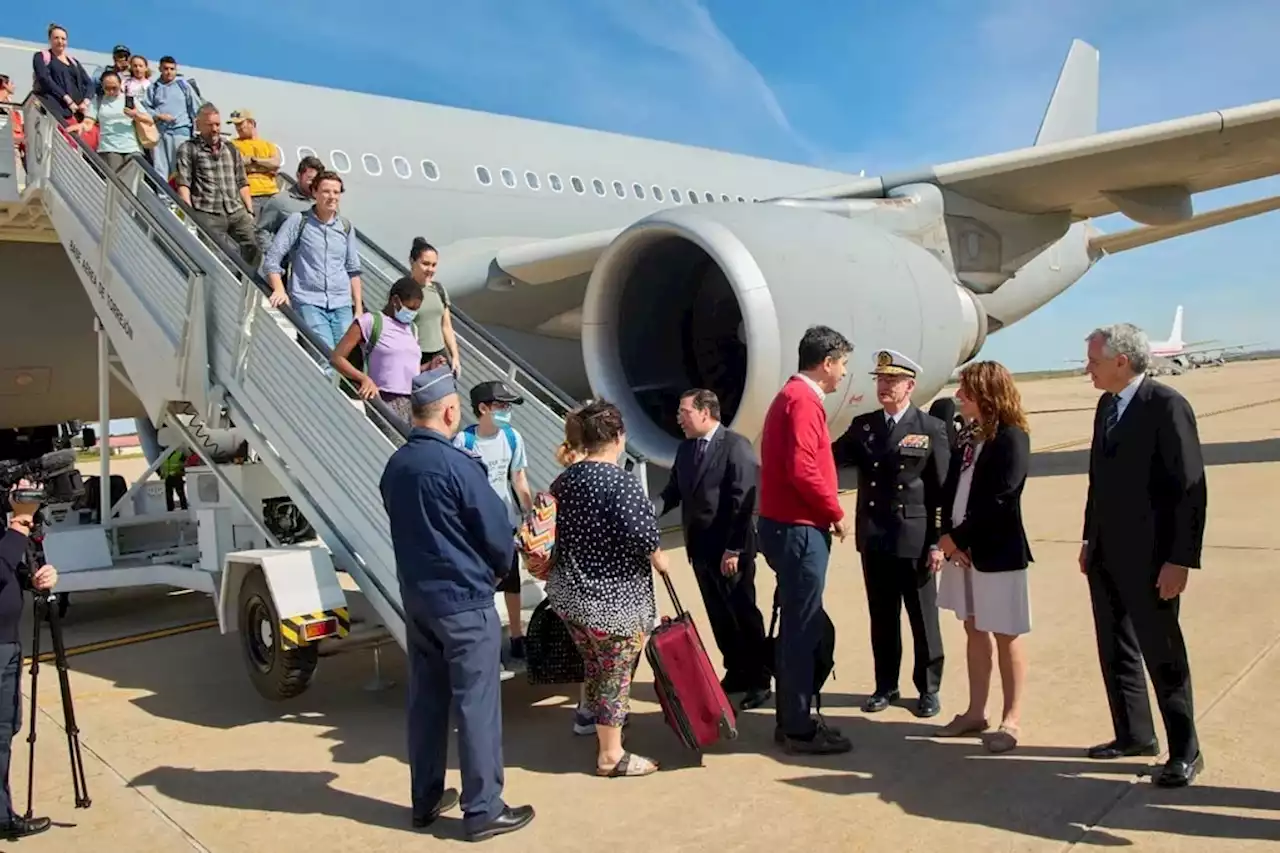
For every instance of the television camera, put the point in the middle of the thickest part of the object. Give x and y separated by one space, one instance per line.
51 478
48 479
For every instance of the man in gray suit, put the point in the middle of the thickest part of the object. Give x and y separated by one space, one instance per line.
1143 532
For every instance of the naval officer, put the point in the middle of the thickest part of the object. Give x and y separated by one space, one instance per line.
453 541
902 455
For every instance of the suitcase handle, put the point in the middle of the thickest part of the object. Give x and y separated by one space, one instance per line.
671 591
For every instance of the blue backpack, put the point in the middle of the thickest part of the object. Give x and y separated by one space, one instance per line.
469 442
469 437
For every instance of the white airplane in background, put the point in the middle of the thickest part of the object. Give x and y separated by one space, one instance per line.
1175 355
635 269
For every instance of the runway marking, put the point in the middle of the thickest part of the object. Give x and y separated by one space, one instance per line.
129 640
1083 442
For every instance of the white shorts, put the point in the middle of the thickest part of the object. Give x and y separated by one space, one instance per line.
999 602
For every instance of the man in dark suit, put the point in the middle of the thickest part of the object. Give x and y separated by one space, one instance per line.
714 481
1143 531
902 455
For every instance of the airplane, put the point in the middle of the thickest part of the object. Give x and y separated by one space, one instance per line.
633 269
1176 355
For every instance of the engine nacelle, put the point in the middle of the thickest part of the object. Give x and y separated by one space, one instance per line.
719 298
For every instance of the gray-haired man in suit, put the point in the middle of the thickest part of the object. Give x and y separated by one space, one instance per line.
1143 531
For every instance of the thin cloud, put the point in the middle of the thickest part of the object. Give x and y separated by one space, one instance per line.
662 69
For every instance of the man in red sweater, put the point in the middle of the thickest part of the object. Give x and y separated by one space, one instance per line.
799 510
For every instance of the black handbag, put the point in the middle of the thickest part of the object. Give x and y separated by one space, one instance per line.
550 652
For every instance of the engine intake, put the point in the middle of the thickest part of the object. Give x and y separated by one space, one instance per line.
719 299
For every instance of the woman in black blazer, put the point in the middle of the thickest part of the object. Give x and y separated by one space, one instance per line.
984 580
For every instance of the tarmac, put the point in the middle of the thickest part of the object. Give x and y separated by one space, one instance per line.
181 754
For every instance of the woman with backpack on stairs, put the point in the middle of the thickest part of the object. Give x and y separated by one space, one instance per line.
388 344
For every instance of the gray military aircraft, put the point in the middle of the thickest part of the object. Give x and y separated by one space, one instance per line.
634 269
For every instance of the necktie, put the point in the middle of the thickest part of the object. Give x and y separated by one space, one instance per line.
699 452
1113 415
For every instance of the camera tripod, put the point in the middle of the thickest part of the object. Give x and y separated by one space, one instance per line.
46 608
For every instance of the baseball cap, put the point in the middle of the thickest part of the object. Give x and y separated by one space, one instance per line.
238 116
495 391
121 50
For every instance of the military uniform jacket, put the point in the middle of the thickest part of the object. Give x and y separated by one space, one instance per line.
901 473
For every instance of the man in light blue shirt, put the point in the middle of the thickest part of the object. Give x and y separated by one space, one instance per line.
324 264
173 102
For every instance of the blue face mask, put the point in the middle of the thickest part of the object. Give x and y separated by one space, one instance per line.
404 315
502 416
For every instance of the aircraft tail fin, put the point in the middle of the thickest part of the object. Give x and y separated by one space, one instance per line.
1175 336
1073 109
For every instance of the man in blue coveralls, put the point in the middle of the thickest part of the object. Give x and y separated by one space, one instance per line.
453 541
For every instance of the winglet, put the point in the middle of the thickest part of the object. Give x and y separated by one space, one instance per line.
1073 109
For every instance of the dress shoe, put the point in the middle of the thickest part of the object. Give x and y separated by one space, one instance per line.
880 700
1115 749
508 820
755 698
928 705
21 827
1178 773
823 741
780 739
448 801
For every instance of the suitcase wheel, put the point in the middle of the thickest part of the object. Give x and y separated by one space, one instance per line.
728 730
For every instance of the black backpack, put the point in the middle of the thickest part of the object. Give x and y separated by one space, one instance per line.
824 656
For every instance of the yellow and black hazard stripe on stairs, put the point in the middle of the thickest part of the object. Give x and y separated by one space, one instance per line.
306 628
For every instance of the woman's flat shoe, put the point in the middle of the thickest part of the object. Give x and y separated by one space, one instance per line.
629 765
1003 739
961 726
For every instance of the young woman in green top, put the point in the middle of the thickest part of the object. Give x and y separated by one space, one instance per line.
435 320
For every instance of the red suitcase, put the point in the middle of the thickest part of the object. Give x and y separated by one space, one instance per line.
692 700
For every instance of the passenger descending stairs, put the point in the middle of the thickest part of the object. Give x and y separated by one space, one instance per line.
191 328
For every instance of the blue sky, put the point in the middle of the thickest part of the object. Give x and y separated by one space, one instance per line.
840 83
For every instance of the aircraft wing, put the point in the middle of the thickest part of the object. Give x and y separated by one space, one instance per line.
1147 173
1133 238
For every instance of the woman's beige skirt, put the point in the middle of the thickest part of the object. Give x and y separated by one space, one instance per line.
999 602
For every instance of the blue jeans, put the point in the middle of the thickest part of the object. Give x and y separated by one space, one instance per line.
798 554
165 155
329 324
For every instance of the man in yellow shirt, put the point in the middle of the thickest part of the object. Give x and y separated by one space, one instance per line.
261 158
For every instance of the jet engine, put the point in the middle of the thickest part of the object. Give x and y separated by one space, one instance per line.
719 298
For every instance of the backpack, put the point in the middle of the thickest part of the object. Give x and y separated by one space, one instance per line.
469 440
376 332
48 58
824 654
287 261
188 86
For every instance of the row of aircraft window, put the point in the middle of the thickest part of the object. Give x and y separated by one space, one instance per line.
341 163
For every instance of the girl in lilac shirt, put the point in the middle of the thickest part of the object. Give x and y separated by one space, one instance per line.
394 358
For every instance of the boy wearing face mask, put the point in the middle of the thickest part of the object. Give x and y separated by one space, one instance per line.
501 447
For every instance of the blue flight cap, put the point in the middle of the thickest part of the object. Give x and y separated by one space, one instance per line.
433 385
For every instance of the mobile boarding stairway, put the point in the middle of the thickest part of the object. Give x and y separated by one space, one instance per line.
187 327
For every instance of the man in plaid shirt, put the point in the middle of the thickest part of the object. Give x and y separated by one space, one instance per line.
211 178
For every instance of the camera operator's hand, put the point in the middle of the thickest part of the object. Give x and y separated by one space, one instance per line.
44 578
23 513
